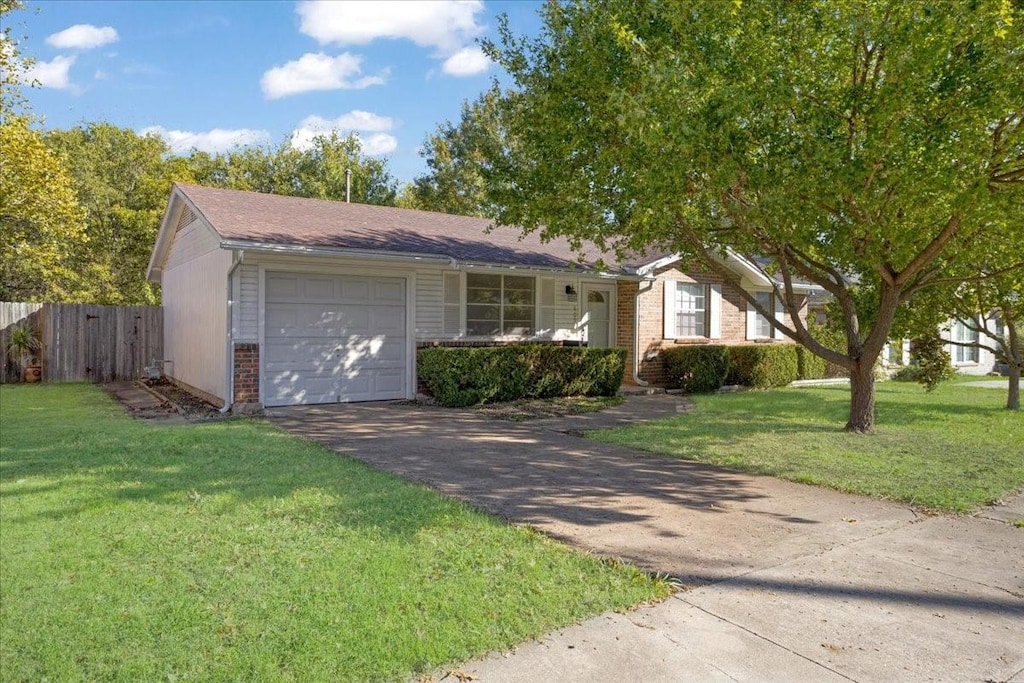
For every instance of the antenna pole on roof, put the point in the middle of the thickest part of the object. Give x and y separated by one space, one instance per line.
348 185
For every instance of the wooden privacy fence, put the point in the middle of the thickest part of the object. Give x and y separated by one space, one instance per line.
84 341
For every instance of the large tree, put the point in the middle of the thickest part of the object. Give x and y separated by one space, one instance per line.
455 156
42 226
872 148
316 171
122 179
41 222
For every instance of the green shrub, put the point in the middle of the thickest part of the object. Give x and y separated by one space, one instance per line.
762 366
469 376
809 366
696 369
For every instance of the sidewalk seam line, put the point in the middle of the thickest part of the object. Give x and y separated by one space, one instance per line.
768 640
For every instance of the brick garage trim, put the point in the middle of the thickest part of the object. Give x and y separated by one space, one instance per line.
246 369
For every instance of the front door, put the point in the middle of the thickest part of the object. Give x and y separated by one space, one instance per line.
599 316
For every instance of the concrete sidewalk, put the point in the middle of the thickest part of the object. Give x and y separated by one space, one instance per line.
787 582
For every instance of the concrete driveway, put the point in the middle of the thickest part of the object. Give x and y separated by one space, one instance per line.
786 582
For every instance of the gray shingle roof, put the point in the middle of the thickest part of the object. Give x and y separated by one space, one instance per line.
296 221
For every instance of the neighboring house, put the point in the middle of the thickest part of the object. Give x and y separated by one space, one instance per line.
962 345
965 355
272 300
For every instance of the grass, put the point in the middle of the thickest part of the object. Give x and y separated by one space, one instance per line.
232 551
951 450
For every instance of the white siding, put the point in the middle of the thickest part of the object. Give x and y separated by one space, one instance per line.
246 308
429 304
191 241
195 296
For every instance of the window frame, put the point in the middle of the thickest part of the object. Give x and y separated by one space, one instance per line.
963 355
712 311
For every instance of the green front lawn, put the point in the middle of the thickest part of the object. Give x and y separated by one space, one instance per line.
954 449
232 551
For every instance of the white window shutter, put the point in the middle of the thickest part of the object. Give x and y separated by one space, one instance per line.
671 306
452 304
751 321
780 316
715 312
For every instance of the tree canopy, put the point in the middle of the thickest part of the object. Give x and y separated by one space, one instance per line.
122 180
872 148
456 155
317 171
42 227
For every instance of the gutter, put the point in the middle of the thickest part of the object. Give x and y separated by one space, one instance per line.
332 251
455 264
229 371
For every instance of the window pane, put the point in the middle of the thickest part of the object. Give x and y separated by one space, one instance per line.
482 288
690 315
763 327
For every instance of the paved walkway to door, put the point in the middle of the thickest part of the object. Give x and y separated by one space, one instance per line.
788 582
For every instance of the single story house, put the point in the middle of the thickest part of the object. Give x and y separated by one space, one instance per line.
963 344
273 300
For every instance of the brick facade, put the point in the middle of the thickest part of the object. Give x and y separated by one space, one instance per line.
247 373
651 303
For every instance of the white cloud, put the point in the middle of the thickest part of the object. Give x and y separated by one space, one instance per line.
82 37
373 145
212 141
446 25
469 61
101 75
317 72
51 74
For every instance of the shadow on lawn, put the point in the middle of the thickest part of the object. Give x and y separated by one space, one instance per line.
216 467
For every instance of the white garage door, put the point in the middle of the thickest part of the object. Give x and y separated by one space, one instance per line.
332 338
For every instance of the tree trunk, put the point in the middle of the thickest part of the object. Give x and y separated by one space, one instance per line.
862 399
1013 395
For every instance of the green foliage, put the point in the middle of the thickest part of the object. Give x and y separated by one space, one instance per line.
122 180
696 369
232 551
809 366
42 225
455 156
317 171
930 364
955 448
763 366
873 148
470 376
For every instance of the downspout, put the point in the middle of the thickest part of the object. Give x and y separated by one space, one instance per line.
636 336
230 365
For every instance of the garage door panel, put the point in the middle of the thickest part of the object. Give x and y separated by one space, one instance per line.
388 320
389 292
334 338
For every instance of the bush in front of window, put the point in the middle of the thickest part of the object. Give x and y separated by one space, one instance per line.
459 377
763 367
697 369
808 365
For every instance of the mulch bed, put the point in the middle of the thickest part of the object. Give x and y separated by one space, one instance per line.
189 405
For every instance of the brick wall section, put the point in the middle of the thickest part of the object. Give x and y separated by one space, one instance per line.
247 373
651 326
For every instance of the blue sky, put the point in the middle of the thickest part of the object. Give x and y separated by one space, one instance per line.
214 74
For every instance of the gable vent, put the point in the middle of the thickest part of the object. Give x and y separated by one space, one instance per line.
187 216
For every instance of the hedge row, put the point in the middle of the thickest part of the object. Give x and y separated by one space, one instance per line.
698 369
469 376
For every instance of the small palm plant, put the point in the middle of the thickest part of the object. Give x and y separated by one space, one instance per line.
23 343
